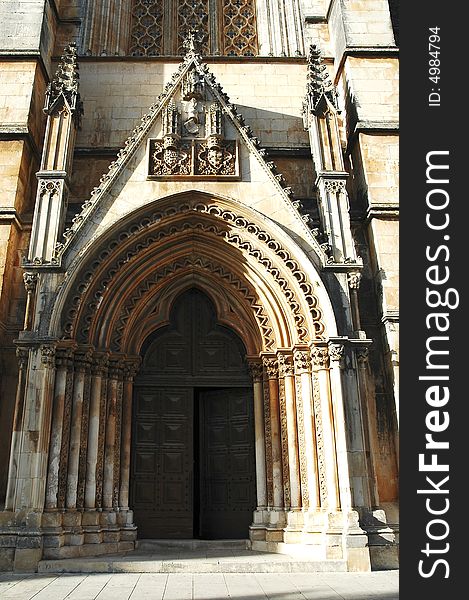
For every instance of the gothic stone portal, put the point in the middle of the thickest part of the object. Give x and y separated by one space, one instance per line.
193 465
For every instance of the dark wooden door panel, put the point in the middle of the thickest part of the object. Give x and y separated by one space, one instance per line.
162 460
227 463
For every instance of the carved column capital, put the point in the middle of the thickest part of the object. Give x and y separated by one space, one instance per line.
130 368
22 354
99 363
285 365
302 361
83 360
30 281
362 354
336 353
48 355
116 368
354 280
319 357
64 357
255 370
271 367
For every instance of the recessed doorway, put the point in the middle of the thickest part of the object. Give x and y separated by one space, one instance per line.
193 457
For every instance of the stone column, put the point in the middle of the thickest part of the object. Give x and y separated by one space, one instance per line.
366 395
22 355
336 352
98 367
271 367
289 427
356 429
354 283
30 282
82 363
63 360
35 430
111 433
306 431
130 370
255 368
103 407
325 438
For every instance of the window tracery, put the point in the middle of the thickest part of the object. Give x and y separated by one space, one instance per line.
239 28
147 28
159 27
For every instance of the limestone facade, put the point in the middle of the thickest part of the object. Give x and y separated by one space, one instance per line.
253 159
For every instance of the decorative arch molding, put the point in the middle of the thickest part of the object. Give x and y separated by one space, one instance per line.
132 240
149 307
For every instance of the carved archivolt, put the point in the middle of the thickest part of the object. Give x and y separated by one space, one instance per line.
200 264
86 301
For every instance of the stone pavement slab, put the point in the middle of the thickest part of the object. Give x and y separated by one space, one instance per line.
379 585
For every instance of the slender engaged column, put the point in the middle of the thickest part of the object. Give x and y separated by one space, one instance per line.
336 352
362 356
328 484
271 366
130 370
63 361
289 427
22 355
306 431
97 369
82 361
103 406
261 480
111 433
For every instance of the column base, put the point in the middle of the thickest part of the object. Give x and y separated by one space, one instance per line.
382 528
27 538
318 535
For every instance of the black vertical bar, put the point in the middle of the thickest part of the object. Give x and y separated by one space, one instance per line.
433 203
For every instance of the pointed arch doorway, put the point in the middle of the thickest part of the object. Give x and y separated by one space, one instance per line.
193 456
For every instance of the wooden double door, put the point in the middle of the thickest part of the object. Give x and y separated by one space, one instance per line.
193 457
193 463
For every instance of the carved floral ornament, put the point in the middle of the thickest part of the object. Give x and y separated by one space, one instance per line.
286 366
255 370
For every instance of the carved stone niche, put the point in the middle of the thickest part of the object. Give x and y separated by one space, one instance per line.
193 144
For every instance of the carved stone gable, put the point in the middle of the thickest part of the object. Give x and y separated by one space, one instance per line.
193 143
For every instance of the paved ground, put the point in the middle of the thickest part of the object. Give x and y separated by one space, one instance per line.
380 585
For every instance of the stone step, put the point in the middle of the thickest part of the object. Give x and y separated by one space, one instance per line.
141 563
191 544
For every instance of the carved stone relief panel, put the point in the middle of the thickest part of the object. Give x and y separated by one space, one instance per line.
193 141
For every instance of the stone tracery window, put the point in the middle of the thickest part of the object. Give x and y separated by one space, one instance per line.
226 27
147 28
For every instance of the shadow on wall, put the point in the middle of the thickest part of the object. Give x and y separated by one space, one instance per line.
275 129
